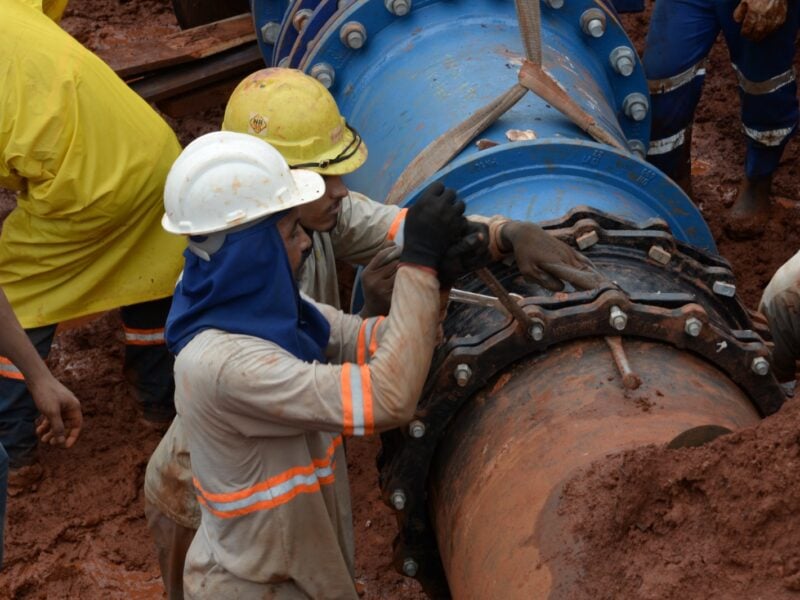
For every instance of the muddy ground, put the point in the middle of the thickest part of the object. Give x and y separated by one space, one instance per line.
717 522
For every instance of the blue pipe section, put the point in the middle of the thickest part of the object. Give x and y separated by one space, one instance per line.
420 74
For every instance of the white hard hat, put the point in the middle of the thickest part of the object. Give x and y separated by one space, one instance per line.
225 179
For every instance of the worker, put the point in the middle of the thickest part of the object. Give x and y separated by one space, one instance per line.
294 113
268 382
88 159
61 412
780 304
761 42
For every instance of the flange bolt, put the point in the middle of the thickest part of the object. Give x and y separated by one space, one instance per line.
635 106
353 35
462 374
398 7
416 429
324 73
300 18
760 366
398 499
537 331
623 60
617 318
593 22
554 3
410 567
693 326
270 32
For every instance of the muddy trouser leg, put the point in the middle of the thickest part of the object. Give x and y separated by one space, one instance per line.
172 541
148 363
767 88
17 411
679 38
780 303
3 495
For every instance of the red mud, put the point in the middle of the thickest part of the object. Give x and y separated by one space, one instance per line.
714 522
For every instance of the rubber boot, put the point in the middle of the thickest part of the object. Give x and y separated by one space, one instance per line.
750 211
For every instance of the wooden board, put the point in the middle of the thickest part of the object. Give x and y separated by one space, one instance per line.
141 56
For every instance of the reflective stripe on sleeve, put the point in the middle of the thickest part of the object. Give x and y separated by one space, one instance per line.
367 340
274 491
662 86
357 414
396 229
9 371
144 337
759 88
667 144
771 137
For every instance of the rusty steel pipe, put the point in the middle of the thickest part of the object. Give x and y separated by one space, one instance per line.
497 477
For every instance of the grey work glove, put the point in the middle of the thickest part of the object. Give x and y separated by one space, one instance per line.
759 18
377 281
546 260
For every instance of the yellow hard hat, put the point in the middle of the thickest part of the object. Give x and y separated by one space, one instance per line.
297 115
52 8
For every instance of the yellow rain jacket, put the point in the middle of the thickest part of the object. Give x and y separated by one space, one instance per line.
89 158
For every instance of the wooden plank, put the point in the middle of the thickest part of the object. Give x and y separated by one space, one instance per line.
181 79
140 56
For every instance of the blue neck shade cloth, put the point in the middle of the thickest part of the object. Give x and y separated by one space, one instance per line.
247 287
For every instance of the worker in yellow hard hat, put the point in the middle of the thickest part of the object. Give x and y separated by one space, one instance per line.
88 159
297 115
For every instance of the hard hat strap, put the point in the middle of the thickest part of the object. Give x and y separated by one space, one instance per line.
346 153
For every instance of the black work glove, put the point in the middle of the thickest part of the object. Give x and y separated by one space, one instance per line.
465 255
432 224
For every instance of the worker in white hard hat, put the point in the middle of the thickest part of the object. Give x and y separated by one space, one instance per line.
298 116
268 381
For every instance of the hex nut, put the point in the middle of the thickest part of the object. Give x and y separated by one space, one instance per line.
623 59
353 35
270 32
463 374
399 8
323 73
556 4
416 429
398 499
537 332
760 366
693 326
593 22
635 106
410 567
617 318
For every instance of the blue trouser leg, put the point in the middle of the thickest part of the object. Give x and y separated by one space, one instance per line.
148 363
17 411
767 88
3 495
679 38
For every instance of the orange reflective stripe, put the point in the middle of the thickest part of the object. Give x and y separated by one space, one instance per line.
366 385
9 371
361 344
373 342
316 463
274 491
395 226
347 400
144 337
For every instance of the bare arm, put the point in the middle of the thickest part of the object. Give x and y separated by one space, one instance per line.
60 408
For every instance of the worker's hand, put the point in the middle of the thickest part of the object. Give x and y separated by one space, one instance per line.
377 281
759 18
469 253
61 419
432 224
546 260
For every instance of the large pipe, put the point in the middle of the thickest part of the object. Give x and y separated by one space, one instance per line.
508 414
